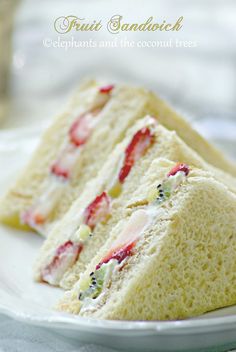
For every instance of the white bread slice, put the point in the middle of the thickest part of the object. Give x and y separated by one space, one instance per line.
125 106
183 264
166 144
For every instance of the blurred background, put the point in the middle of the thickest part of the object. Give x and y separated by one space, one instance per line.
199 80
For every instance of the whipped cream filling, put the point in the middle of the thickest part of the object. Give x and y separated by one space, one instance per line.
65 257
35 216
78 235
115 184
165 189
136 225
103 278
100 99
173 182
68 157
53 272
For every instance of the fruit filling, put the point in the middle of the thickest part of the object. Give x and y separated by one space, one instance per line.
65 256
118 254
139 144
81 129
91 287
171 182
36 216
62 168
79 134
179 167
137 147
106 89
114 261
101 277
97 211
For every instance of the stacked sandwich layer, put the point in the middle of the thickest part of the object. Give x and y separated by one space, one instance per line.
138 209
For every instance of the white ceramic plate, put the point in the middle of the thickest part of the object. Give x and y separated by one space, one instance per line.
32 303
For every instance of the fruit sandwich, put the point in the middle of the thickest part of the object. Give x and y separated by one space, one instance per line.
78 236
171 256
75 147
71 152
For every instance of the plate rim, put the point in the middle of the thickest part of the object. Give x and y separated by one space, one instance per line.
73 322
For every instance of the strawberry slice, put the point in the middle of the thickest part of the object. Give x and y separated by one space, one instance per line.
81 129
79 133
97 211
137 147
63 166
65 256
106 89
179 167
119 254
58 170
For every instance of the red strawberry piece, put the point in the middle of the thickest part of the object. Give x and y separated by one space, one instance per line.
63 166
137 147
81 129
179 167
106 89
65 256
58 170
97 211
119 254
79 133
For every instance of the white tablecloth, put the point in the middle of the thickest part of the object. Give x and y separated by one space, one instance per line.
18 337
